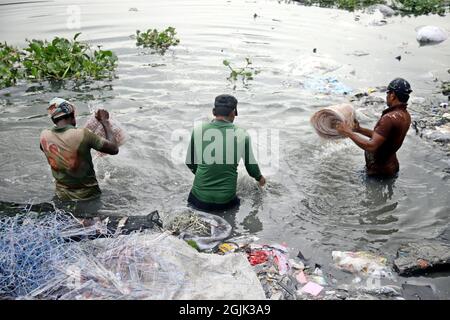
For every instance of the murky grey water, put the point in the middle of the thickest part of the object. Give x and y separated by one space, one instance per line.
318 199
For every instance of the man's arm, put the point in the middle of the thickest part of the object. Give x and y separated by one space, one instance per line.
110 145
364 131
368 145
250 163
190 156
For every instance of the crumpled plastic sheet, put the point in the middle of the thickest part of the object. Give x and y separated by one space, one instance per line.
326 85
363 263
152 266
325 120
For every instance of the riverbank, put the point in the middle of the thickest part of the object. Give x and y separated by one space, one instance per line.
402 7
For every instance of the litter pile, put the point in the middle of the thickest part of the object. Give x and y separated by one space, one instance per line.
435 127
201 230
40 260
296 278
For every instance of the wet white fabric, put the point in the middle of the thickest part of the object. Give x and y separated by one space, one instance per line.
325 120
96 127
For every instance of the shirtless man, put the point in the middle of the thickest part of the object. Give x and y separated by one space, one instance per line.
389 132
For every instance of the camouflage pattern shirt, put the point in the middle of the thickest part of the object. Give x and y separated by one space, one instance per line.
68 152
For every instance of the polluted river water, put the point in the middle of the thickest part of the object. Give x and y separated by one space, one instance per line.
317 198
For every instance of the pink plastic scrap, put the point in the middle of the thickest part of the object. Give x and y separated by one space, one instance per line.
301 278
312 288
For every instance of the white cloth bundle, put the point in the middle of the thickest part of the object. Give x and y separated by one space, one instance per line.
96 127
325 120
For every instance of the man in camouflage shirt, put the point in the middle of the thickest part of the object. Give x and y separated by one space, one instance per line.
68 151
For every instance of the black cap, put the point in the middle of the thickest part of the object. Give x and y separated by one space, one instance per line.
400 86
224 104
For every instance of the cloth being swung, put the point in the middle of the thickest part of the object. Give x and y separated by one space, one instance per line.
325 120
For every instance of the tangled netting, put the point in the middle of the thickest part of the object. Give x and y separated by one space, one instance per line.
32 247
55 256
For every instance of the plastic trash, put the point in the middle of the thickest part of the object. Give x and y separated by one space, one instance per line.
215 229
227 248
361 262
326 85
430 35
258 257
301 278
318 279
282 262
298 265
312 288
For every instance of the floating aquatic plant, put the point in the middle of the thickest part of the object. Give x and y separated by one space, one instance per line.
445 88
159 41
423 7
60 59
349 5
9 65
405 7
67 59
246 73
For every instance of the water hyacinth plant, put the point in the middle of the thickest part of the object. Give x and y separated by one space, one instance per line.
67 59
9 65
246 73
404 7
159 41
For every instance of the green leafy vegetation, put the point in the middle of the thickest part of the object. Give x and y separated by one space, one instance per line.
350 5
423 7
9 65
193 244
159 41
445 88
405 7
60 59
246 73
67 59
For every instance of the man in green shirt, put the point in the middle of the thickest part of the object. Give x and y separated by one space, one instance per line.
213 156
68 151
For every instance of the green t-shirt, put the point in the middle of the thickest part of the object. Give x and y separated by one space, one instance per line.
213 156
68 152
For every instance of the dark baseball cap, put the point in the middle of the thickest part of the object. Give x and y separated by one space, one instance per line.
399 85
